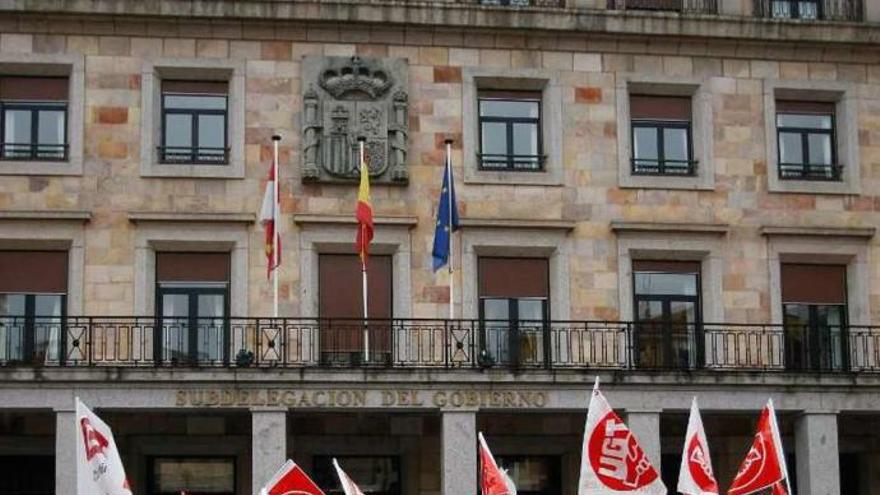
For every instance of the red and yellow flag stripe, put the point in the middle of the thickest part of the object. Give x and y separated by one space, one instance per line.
364 215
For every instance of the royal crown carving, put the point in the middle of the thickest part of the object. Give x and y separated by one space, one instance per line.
345 98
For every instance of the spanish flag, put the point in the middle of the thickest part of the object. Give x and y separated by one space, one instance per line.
364 215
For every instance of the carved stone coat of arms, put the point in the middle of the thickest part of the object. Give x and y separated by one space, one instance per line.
344 99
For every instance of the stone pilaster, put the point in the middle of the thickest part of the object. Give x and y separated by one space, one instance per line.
817 455
268 444
65 452
459 457
646 427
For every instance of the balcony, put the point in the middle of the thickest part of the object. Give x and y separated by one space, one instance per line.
438 344
811 10
684 6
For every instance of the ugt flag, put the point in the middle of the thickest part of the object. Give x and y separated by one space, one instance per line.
99 469
447 218
493 480
612 461
291 480
696 476
764 465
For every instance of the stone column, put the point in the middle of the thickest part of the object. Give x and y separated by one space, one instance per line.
459 457
65 452
816 454
268 444
646 427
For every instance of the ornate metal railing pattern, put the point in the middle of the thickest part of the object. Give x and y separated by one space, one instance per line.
688 6
415 343
809 10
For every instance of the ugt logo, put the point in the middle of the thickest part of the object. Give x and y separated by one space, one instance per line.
616 457
95 442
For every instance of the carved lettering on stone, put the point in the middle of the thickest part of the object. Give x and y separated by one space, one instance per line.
346 98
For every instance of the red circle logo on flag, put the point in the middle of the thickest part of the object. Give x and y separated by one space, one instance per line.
699 466
753 465
616 457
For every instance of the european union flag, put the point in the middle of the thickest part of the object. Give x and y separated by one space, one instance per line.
447 219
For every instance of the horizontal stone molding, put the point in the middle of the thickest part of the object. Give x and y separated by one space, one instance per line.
315 219
54 215
214 217
689 228
510 223
858 232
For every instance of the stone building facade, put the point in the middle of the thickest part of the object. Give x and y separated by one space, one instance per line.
117 201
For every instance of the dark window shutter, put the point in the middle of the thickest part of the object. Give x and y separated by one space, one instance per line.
813 284
33 272
808 107
192 267
33 88
666 266
660 107
340 286
196 87
511 94
514 277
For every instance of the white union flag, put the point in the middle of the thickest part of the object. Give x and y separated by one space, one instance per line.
99 469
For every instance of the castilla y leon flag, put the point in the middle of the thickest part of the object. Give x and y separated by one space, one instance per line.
612 461
99 469
493 480
269 218
764 465
364 215
291 480
696 476
348 485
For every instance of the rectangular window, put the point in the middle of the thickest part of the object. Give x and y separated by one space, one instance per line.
795 9
514 307
532 474
815 316
805 133
33 118
661 135
33 299
194 122
192 301
374 475
510 131
341 308
195 475
667 302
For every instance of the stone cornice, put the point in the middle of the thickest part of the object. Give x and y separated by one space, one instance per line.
213 217
450 15
317 219
54 215
669 227
858 232
510 223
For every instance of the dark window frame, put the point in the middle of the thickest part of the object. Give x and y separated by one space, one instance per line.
669 360
193 155
509 162
555 473
29 322
794 9
35 149
192 291
807 170
663 167
151 470
395 461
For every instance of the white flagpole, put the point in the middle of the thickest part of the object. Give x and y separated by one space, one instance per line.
364 270
449 187
777 439
276 221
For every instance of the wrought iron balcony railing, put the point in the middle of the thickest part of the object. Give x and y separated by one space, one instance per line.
686 6
811 10
414 343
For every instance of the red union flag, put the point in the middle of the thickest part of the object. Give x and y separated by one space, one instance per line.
291 480
493 480
696 476
764 467
613 462
99 469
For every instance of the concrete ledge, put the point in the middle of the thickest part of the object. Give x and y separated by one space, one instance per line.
860 232
502 223
73 216
689 228
219 217
315 219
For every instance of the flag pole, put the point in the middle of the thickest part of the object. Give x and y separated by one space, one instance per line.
361 141
449 205
276 226
777 439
